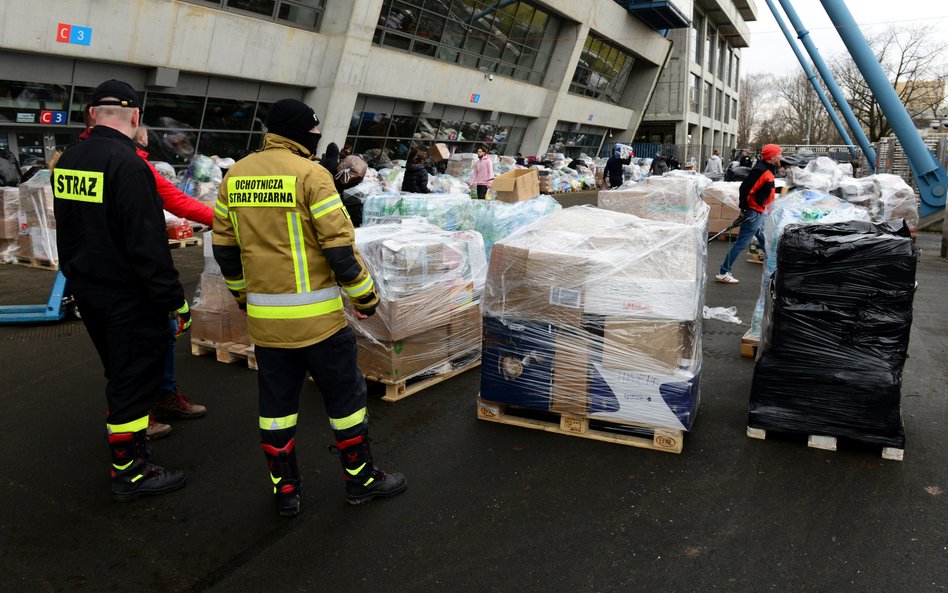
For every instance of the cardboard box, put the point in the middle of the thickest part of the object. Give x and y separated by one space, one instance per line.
517 363
439 152
517 186
9 212
650 346
571 356
409 315
401 359
464 331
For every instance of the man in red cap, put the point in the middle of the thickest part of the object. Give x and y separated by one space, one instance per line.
756 193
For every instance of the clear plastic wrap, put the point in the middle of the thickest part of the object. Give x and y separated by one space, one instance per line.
821 174
201 179
597 313
722 198
9 223
214 312
860 192
166 170
450 212
391 179
495 220
461 166
797 207
36 237
702 181
897 200
672 199
446 184
428 281
837 332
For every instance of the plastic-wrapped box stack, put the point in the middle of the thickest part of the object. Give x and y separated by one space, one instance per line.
36 239
597 314
671 199
215 315
449 212
723 198
799 206
9 221
429 282
495 220
836 333
821 174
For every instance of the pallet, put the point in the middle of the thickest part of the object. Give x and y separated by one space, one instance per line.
756 258
827 443
749 346
228 352
397 390
182 243
37 262
632 435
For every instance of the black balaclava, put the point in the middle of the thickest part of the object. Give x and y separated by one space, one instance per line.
294 119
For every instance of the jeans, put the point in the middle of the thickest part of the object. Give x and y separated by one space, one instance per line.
168 384
750 229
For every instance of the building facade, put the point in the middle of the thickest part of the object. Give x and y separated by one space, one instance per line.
383 75
694 107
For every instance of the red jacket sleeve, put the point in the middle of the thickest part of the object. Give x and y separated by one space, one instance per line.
179 203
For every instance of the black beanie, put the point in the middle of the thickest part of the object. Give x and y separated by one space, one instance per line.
293 119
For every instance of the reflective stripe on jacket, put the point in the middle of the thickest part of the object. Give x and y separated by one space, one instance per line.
282 211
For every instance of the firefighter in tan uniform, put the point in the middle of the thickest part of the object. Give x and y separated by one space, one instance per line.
285 245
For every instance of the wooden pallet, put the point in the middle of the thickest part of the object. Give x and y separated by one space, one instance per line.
228 352
182 243
756 258
633 435
396 390
749 346
37 262
827 443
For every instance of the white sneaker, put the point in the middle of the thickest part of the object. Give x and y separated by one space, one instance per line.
726 278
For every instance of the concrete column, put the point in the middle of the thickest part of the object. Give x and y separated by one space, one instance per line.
349 27
559 74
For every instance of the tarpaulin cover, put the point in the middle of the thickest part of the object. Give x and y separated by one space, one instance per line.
836 332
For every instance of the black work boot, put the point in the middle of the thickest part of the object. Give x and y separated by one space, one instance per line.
133 474
365 481
285 477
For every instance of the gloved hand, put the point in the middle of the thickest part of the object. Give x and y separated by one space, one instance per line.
365 306
182 317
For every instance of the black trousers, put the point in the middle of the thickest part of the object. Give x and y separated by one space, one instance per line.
282 371
481 192
131 337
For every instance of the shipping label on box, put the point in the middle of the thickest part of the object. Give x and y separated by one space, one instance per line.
659 400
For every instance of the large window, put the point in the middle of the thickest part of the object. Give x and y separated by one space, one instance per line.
709 50
722 58
602 71
694 83
706 99
512 39
389 135
736 72
298 13
718 99
574 140
696 54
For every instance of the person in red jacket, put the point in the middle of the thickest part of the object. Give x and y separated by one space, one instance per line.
756 193
171 402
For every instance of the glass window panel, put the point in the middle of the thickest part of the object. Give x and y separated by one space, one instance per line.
469 131
512 53
374 124
304 13
505 70
354 122
504 18
467 59
383 14
475 40
494 48
430 26
264 7
449 130
260 119
522 22
454 32
427 129
527 58
448 55
228 114
80 98
403 126
402 18
396 41
370 147
501 133
397 148
223 144
29 99
173 111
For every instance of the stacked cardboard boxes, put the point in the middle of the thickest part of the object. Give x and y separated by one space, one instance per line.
722 198
215 315
597 313
672 199
429 283
36 237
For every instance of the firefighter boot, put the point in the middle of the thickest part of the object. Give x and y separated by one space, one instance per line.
365 481
285 477
133 474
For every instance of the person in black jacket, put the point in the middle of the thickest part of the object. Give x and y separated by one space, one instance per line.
113 249
613 169
330 158
416 175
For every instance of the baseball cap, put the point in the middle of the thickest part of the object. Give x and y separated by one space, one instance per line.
115 92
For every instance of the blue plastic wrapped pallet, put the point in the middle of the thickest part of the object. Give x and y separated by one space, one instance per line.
597 314
836 332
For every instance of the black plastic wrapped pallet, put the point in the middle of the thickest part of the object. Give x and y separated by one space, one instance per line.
837 333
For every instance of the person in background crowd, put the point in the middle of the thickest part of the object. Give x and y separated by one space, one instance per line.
286 248
172 403
416 174
659 166
673 164
483 173
745 159
351 172
613 169
346 151
756 193
714 165
330 158
113 248
519 160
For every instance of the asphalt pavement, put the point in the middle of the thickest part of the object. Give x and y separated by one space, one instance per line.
489 507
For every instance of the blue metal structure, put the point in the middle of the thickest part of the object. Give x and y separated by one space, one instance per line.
51 311
830 82
932 180
811 76
658 14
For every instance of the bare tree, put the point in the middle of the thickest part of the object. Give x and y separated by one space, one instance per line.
913 59
754 99
804 117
